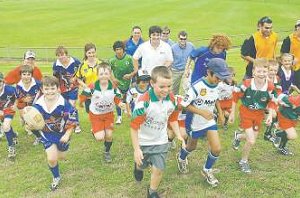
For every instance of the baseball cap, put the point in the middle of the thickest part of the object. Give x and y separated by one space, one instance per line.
143 75
1 76
297 23
219 67
29 54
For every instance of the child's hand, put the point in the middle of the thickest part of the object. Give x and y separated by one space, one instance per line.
183 145
269 119
65 138
207 114
122 105
138 157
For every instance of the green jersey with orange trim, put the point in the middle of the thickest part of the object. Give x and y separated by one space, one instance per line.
289 106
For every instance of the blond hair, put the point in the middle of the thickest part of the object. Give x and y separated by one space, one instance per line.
161 71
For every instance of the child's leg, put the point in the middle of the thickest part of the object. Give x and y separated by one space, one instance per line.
214 148
156 177
52 158
108 139
251 136
9 133
99 135
191 145
288 134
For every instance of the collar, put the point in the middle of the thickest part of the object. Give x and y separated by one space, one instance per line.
58 63
154 98
42 103
264 88
21 84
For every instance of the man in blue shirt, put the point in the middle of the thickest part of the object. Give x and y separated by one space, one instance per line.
217 47
181 51
134 41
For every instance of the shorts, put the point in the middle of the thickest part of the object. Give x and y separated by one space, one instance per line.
155 155
102 121
226 105
70 95
251 118
49 138
285 123
201 133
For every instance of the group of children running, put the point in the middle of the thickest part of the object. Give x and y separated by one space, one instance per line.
157 115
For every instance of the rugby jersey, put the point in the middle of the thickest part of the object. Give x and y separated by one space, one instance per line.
32 91
7 100
289 106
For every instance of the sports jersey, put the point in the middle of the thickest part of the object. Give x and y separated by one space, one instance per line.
87 74
289 106
60 118
14 76
225 91
259 46
32 91
130 46
253 98
103 101
277 84
120 67
65 74
202 56
150 117
287 78
133 94
201 95
7 100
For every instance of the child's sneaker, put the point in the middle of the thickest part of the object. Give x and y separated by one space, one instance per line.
36 142
182 164
107 157
152 195
77 129
119 120
285 151
245 167
210 178
55 183
138 174
11 153
276 142
236 142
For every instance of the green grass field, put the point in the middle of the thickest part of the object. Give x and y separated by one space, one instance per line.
35 24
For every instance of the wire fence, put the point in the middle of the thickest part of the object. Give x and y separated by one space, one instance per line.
47 54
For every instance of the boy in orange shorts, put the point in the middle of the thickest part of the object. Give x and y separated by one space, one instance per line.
288 114
101 114
256 95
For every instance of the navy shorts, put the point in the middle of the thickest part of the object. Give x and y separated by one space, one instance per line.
201 133
50 138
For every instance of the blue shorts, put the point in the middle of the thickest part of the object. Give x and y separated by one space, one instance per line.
70 95
49 138
201 133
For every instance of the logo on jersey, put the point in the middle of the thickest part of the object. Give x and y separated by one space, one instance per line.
263 99
203 92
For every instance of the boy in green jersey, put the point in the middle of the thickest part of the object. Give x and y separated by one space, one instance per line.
123 71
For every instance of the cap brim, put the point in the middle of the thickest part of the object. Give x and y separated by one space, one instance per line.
224 76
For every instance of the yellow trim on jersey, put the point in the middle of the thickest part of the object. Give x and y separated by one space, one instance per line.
88 74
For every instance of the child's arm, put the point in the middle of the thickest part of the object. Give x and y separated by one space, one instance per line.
138 154
203 112
220 113
175 127
66 137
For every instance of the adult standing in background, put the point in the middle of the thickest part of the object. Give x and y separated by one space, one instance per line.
291 44
181 51
165 36
262 44
134 41
14 76
217 47
153 52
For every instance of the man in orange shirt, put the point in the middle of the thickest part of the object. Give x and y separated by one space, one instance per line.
261 44
14 76
291 44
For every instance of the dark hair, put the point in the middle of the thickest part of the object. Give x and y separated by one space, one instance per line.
264 19
136 27
118 44
26 69
87 47
154 29
182 33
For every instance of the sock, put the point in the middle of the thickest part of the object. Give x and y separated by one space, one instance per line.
36 133
211 159
107 146
183 153
226 120
269 128
283 137
55 171
9 137
119 112
151 191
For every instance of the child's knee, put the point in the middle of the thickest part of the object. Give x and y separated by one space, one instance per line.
251 141
6 127
293 135
99 136
216 151
52 161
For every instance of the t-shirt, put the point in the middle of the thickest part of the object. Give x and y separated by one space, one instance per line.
7 101
32 91
14 76
120 67
201 95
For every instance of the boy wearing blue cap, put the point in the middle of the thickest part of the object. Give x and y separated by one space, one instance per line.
200 102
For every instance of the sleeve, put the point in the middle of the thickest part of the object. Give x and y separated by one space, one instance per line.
12 76
8 110
286 44
55 72
238 92
78 73
37 74
174 116
189 97
195 53
138 115
138 53
128 96
294 100
248 48
169 53
70 117
118 96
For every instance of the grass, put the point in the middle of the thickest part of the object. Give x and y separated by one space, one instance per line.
31 23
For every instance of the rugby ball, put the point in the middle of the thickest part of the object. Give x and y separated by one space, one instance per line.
33 118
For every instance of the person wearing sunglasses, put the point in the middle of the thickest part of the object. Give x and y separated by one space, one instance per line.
165 36
181 51
262 44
